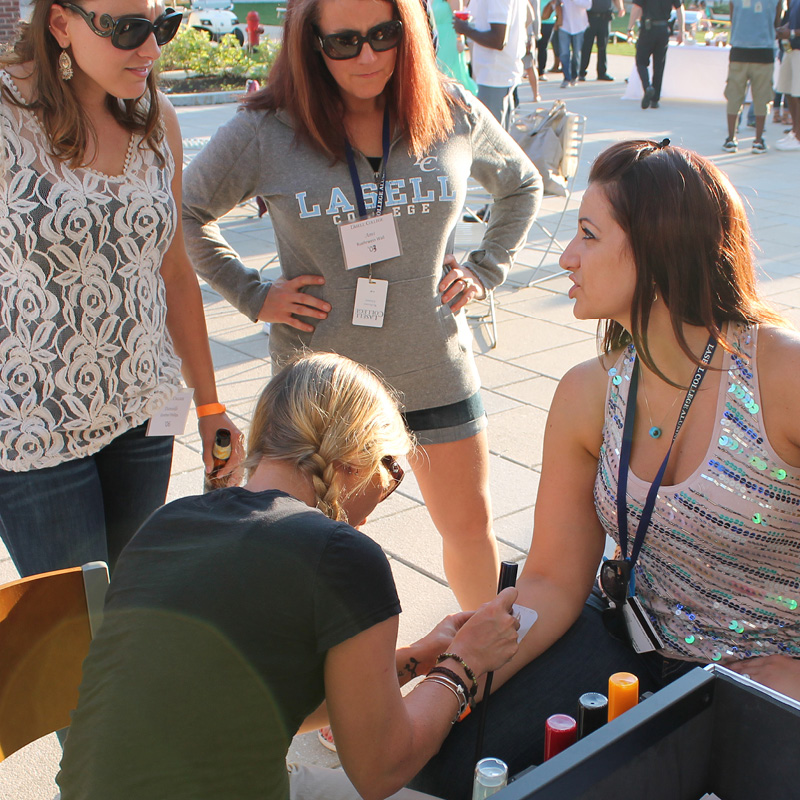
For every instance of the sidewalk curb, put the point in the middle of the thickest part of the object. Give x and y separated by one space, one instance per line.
206 98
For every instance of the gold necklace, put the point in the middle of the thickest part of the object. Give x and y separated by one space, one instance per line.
656 431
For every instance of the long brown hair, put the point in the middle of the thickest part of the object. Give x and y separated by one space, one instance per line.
65 122
299 82
323 411
690 240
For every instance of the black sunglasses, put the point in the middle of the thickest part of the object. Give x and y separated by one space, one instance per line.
347 44
129 32
615 578
395 474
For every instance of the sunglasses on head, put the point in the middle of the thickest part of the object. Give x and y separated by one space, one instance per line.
347 44
129 32
395 475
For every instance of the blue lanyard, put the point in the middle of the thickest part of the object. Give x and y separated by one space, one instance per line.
625 457
351 163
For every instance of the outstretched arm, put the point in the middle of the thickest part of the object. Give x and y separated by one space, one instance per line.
383 739
411 661
568 539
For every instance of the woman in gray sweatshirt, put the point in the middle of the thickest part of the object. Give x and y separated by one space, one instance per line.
362 150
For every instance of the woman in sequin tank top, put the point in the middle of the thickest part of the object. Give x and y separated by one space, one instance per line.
100 309
662 257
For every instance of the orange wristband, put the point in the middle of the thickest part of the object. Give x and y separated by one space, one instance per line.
210 408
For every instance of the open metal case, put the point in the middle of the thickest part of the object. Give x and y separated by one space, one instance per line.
712 730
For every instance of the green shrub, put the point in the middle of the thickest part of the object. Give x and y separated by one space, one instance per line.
193 51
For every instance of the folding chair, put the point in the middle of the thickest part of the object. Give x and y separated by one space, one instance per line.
47 622
572 143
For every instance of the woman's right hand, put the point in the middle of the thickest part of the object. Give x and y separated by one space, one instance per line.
285 302
488 640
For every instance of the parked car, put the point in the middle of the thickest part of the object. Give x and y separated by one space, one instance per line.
216 18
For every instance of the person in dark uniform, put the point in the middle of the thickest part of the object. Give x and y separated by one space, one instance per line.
653 41
600 15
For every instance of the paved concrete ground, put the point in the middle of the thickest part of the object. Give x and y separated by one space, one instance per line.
538 341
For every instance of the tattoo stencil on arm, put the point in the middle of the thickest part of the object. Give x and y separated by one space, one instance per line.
410 669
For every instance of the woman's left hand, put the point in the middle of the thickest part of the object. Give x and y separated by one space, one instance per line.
429 647
208 427
781 673
459 285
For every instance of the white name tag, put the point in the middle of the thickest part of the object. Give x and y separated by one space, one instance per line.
644 636
171 419
368 241
370 302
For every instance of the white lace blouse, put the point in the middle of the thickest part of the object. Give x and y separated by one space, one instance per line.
84 349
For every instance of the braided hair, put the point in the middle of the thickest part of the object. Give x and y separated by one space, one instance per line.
324 411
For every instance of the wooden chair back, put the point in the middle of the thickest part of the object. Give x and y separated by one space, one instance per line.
47 622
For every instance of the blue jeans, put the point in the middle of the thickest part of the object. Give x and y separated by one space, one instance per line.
87 509
570 64
581 661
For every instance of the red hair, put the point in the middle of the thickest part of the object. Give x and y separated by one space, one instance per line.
299 82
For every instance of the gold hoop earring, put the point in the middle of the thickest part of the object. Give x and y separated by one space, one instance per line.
65 66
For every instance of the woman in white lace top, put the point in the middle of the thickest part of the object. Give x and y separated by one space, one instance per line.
99 306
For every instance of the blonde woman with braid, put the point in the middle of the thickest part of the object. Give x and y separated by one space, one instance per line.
232 616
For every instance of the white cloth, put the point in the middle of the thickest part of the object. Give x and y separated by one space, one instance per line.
499 67
684 64
307 782
789 75
84 349
574 16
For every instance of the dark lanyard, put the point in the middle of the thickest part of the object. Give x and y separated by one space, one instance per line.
625 457
351 163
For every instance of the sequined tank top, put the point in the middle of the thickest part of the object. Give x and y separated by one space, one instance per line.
719 570
84 349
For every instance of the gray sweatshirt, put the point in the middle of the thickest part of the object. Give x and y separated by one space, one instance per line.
423 350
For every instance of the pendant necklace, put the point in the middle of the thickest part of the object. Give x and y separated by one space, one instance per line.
655 430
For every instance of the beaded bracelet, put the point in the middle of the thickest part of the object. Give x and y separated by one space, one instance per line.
210 408
458 693
457 679
464 666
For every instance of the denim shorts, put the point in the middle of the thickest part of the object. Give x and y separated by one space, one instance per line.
450 423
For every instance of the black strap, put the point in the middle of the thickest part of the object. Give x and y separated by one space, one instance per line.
351 163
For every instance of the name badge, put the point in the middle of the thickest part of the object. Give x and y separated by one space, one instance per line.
171 419
370 302
643 634
368 241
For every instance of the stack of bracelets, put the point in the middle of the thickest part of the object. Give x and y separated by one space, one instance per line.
456 684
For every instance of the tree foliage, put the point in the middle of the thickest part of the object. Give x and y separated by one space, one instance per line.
193 51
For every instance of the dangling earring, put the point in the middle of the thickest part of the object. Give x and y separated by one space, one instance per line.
65 66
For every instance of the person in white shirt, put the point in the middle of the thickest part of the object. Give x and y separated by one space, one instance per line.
572 20
497 28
